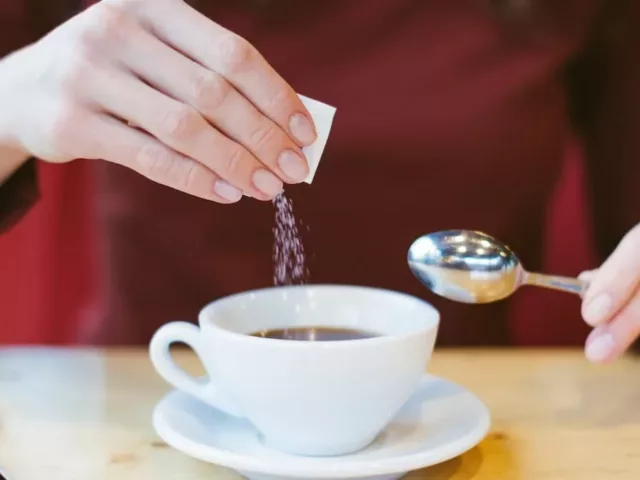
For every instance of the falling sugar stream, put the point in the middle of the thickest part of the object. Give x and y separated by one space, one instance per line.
288 251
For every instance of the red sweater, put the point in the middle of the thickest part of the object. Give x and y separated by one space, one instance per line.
446 119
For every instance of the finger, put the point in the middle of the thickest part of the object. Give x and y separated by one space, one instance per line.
588 275
617 279
608 342
586 278
221 51
219 102
109 139
184 130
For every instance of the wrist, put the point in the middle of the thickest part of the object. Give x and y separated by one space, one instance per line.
11 159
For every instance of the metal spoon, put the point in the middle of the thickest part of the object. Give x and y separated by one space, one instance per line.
473 267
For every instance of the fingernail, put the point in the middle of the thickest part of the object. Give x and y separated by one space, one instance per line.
600 348
226 190
302 129
267 182
597 310
293 165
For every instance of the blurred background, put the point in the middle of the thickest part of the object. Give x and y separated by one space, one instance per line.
51 268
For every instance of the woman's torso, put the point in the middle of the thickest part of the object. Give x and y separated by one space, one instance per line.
444 120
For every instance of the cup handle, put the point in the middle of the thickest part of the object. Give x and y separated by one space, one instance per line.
201 388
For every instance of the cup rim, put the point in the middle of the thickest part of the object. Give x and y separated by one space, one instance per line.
431 325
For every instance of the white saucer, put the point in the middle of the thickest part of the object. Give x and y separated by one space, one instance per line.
440 421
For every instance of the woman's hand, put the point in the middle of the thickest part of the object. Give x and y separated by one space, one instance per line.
155 86
612 302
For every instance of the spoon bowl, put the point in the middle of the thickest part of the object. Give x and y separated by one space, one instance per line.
472 267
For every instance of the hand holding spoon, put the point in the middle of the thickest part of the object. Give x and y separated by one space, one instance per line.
473 267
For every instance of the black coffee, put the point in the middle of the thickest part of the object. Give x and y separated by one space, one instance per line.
315 334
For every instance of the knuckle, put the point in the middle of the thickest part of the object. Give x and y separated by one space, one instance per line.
282 98
155 161
263 135
167 168
189 179
113 20
233 163
181 123
210 91
235 53
109 25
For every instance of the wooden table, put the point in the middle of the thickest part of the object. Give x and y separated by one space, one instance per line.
85 415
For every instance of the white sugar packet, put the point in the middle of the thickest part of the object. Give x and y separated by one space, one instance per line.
322 115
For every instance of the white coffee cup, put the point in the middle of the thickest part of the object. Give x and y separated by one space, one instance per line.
306 398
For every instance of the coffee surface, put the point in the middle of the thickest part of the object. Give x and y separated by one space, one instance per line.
315 334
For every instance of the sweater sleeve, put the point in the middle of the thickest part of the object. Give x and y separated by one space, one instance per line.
18 194
605 89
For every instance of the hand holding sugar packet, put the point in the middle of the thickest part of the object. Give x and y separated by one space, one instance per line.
322 115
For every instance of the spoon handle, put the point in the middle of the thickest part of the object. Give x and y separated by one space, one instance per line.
555 282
